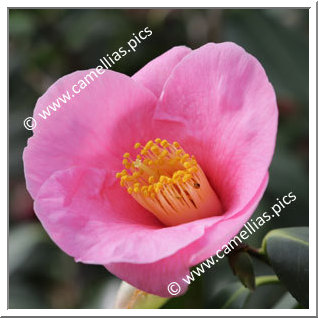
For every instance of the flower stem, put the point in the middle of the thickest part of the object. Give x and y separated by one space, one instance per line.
257 253
265 280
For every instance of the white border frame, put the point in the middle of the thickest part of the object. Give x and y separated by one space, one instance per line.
312 160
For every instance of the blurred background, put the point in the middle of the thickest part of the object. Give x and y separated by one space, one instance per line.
47 44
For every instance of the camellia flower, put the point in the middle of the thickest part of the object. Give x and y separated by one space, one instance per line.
151 174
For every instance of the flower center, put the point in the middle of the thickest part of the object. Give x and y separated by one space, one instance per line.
169 183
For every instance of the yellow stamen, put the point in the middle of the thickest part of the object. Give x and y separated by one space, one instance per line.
151 179
169 183
130 190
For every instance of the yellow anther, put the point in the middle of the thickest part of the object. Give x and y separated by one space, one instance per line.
178 152
155 150
184 158
151 179
157 140
118 175
193 169
149 162
125 161
176 144
130 190
179 173
169 181
122 182
137 145
127 165
158 187
138 157
164 143
163 153
162 178
194 162
186 178
126 155
143 152
148 145
187 165
136 174
136 187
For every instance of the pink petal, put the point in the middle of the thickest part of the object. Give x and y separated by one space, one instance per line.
221 232
94 128
155 277
93 219
86 215
219 105
154 74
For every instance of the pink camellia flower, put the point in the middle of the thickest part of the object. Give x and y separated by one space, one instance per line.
151 174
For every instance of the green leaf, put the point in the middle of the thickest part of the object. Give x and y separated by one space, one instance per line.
286 302
288 253
266 296
242 266
235 295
